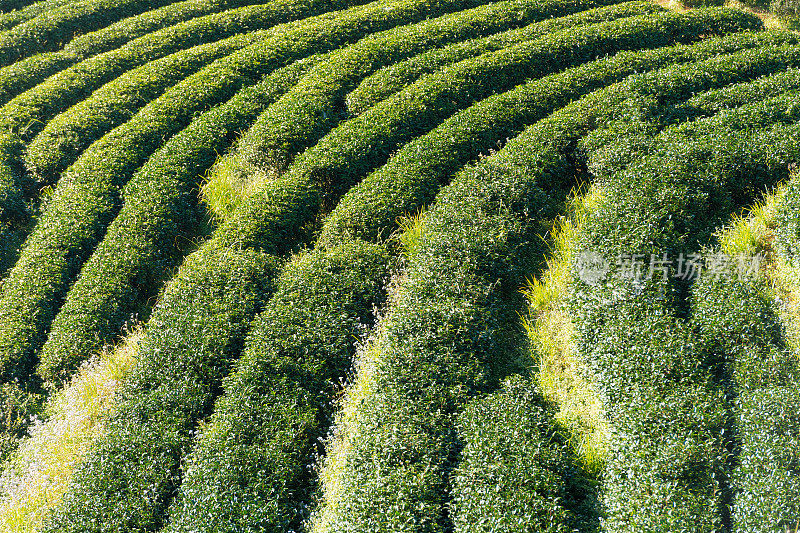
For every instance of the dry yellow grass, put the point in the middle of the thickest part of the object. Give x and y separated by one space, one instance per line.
770 21
35 478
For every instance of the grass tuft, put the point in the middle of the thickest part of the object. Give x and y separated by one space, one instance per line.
231 181
410 233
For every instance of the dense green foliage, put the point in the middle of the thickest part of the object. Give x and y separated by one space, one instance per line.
43 156
158 212
669 466
250 470
254 153
549 150
427 102
515 469
413 175
393 78
304 115
31 71
11 5
321 174
10 19
449 334
87 197
738 325
53 28
13 211
45 153
28 112
785 8
70 133
192 339
102 484
312 221
222 493
352 489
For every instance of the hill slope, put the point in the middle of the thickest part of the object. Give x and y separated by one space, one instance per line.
400 265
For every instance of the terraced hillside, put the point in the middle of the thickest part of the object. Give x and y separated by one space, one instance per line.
398 265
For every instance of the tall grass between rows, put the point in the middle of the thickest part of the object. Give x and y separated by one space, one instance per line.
38 473
561 375
753 232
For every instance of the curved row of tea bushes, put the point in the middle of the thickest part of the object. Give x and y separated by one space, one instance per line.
12 205
735 99
30 111
167 441
737 324
361 406
746 319
36 475
11 5
53 29
548 150
739 94
87 196
47 154
636 115
216 488
158 211
240 488
12 18
412 177
236 236
17 401
449 333
339 477
636 525
393 78
129 29
70 133
614 156
13 211
251 468
214 484
312 108
21 76
365 476
248 157
668 469
339 160
170 435
686 92
515 469
194 336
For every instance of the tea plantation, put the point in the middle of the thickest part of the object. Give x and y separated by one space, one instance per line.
435 266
